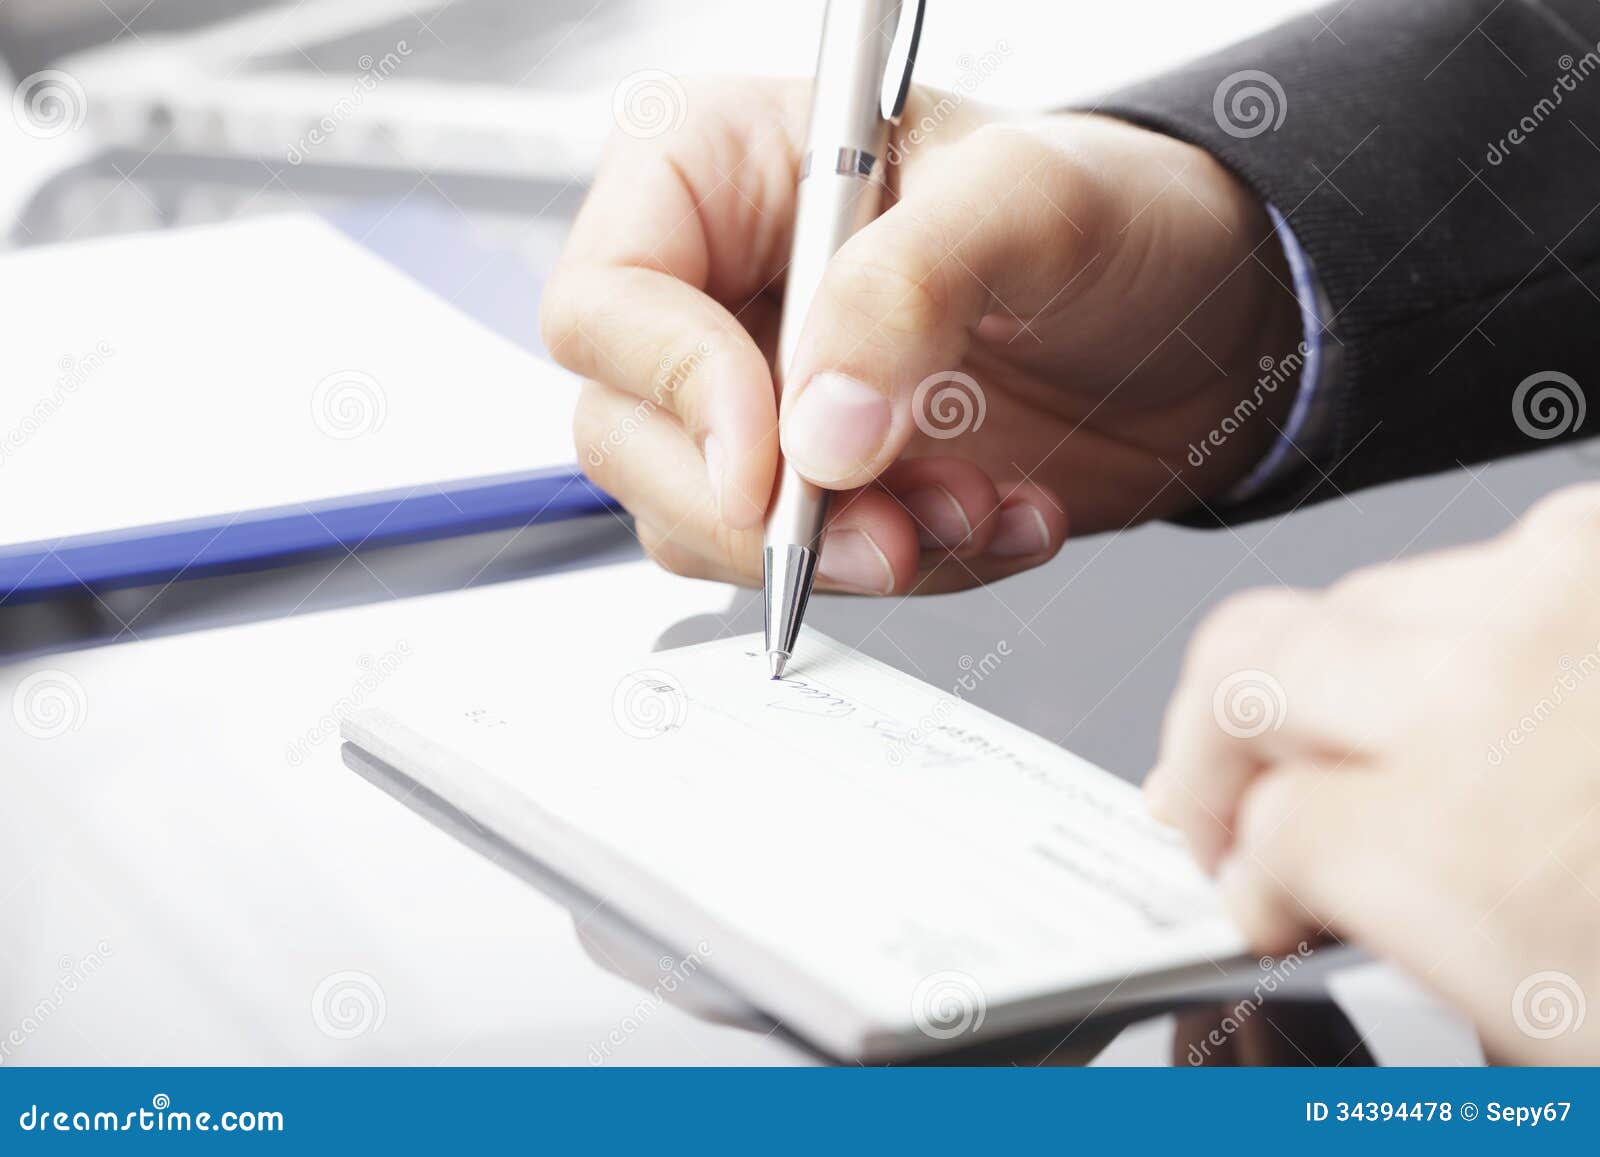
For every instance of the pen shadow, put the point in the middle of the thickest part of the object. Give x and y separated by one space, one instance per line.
742 617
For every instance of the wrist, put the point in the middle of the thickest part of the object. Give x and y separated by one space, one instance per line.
1245 418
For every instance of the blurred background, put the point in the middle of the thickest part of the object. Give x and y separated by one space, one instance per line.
211 108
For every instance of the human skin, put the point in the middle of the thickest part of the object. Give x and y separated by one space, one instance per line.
1415 766
1112 292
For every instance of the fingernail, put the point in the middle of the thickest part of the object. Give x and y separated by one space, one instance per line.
850 558
939 517
717 470
835 426
1019 530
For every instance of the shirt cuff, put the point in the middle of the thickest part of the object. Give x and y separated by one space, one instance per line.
1317 363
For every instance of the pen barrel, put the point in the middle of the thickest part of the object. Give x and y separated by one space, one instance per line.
841 190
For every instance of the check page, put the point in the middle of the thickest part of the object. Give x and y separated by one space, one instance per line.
873 847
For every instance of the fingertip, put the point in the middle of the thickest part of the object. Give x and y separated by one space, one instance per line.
1030 524
836 430
1157 790
1173 802
950 502
1209 843
870 547
1257 905
941 520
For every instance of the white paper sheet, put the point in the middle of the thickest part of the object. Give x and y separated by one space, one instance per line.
268 362
862 854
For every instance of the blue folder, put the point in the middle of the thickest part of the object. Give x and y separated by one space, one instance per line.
446 259
258 538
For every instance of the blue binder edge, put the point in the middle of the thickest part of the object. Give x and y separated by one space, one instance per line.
251 540
488 285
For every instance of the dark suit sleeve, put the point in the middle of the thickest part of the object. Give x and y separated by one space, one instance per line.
1439 162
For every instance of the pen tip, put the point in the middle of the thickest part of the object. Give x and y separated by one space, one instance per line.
778 661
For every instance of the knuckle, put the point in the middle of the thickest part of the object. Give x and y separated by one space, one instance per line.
888 294
1573 511
678 377
1252 898
1364 582
624 143
670 560
661 550
1055 171
1237 623
660 116
593 435
667 559
1006 148
1562 571
1262 823
557 317
737 551
701 547
1001 149
1250 907
1561 541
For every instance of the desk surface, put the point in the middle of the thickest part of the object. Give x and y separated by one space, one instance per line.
188 827
196 837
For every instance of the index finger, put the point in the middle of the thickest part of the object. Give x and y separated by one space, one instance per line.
664 259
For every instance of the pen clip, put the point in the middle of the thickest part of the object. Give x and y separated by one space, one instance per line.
902 58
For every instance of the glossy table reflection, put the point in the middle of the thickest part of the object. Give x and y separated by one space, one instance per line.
1302 1030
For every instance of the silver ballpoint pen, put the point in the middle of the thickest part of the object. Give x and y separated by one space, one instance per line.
863 75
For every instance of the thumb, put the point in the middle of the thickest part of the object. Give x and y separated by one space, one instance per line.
897 303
